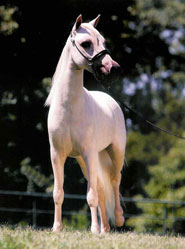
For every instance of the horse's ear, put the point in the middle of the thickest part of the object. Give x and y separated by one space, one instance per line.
77 23
95 21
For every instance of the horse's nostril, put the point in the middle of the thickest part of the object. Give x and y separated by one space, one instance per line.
115 70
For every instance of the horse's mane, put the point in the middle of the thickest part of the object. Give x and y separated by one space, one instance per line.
55 77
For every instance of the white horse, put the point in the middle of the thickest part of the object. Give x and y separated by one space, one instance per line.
87 125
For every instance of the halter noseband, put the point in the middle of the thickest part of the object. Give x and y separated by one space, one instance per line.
90 61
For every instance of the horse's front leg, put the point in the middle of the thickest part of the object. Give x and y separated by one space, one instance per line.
94 220
91 162
58 193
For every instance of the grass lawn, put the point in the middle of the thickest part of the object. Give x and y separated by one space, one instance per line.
27 238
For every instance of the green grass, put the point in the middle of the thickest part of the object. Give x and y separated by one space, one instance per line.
27 238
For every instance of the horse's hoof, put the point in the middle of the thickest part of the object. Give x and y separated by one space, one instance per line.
95 229
120 220
57 228
105 229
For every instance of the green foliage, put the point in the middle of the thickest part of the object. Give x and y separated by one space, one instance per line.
166 183
160 155
169 175
160 12
78 220
34 176
7 23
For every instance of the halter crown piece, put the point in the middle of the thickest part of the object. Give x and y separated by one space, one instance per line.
90 61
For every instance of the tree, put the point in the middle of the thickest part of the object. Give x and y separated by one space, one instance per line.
8 24
162 174
167 179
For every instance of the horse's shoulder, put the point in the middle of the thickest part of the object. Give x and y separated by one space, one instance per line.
102 97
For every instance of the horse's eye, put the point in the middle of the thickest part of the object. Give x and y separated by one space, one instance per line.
86 44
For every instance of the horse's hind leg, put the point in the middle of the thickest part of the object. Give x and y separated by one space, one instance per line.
58 193
102 209
117 155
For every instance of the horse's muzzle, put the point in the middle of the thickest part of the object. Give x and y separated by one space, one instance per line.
107 74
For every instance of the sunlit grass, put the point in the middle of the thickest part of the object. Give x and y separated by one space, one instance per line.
26 238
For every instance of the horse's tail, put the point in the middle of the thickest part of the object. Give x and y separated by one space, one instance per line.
104 174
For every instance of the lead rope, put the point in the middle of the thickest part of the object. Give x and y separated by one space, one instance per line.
108 90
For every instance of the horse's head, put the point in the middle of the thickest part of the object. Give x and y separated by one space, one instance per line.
89 51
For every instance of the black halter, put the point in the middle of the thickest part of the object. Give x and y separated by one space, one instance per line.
90 61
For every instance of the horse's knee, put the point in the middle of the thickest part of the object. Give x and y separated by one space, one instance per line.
58 196
92 198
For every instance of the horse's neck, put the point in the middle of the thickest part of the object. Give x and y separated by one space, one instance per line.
67 82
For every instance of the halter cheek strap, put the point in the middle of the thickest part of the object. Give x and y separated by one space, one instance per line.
90 61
